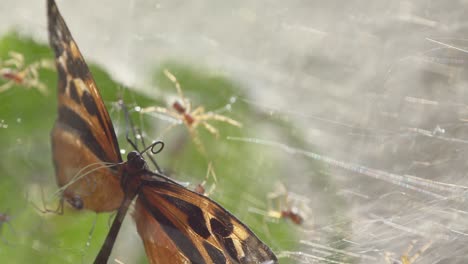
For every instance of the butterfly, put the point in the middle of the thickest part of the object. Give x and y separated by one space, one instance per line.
176 225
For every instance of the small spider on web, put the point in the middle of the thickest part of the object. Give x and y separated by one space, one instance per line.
283 204
5 219
406 258
286 205
200 188
181 110
15 71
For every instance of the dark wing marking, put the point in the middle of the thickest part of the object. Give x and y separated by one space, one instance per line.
83 133
191 228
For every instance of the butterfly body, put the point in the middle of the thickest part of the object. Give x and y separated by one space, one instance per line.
176 225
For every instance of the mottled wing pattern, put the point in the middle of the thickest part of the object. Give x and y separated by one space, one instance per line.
186 227
83 134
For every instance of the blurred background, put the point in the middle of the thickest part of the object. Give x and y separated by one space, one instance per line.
353 120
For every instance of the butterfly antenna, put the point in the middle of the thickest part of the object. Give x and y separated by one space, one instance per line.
129 125
155 147
152 147
134 142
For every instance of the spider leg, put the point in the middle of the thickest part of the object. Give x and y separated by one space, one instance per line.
199 111
405 259
187 104
173 79
163 111
31 79
211 116
6 86
210 129
210 172
418 254
41 87
196 140
158 109
16 59
274 207
46 64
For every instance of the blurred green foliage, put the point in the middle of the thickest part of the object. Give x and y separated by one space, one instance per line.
245 173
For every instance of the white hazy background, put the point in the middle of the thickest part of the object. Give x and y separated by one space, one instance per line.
378 87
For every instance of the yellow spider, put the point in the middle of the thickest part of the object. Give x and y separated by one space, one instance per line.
406 258
181 110
284 207
200 188
15 71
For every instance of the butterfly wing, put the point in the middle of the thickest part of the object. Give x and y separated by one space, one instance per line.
83 134
181 226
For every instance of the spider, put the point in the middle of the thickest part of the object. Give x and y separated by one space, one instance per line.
181 110
285 206
5 219
15 72
405 258
200 188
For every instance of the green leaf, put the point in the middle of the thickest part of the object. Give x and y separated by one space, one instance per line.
245 172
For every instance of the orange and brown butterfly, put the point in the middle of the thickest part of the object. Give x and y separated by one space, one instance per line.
176 225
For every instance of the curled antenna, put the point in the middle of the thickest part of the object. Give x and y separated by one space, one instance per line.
133 142
153 148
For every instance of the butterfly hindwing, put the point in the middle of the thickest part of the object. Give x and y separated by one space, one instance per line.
83 133
193 229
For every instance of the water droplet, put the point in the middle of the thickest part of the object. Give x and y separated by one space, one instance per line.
233 99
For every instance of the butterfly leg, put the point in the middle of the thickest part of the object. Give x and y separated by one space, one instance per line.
45 210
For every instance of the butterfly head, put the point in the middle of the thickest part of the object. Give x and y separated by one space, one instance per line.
135 162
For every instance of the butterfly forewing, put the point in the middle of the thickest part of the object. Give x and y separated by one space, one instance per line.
198 228
83 134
